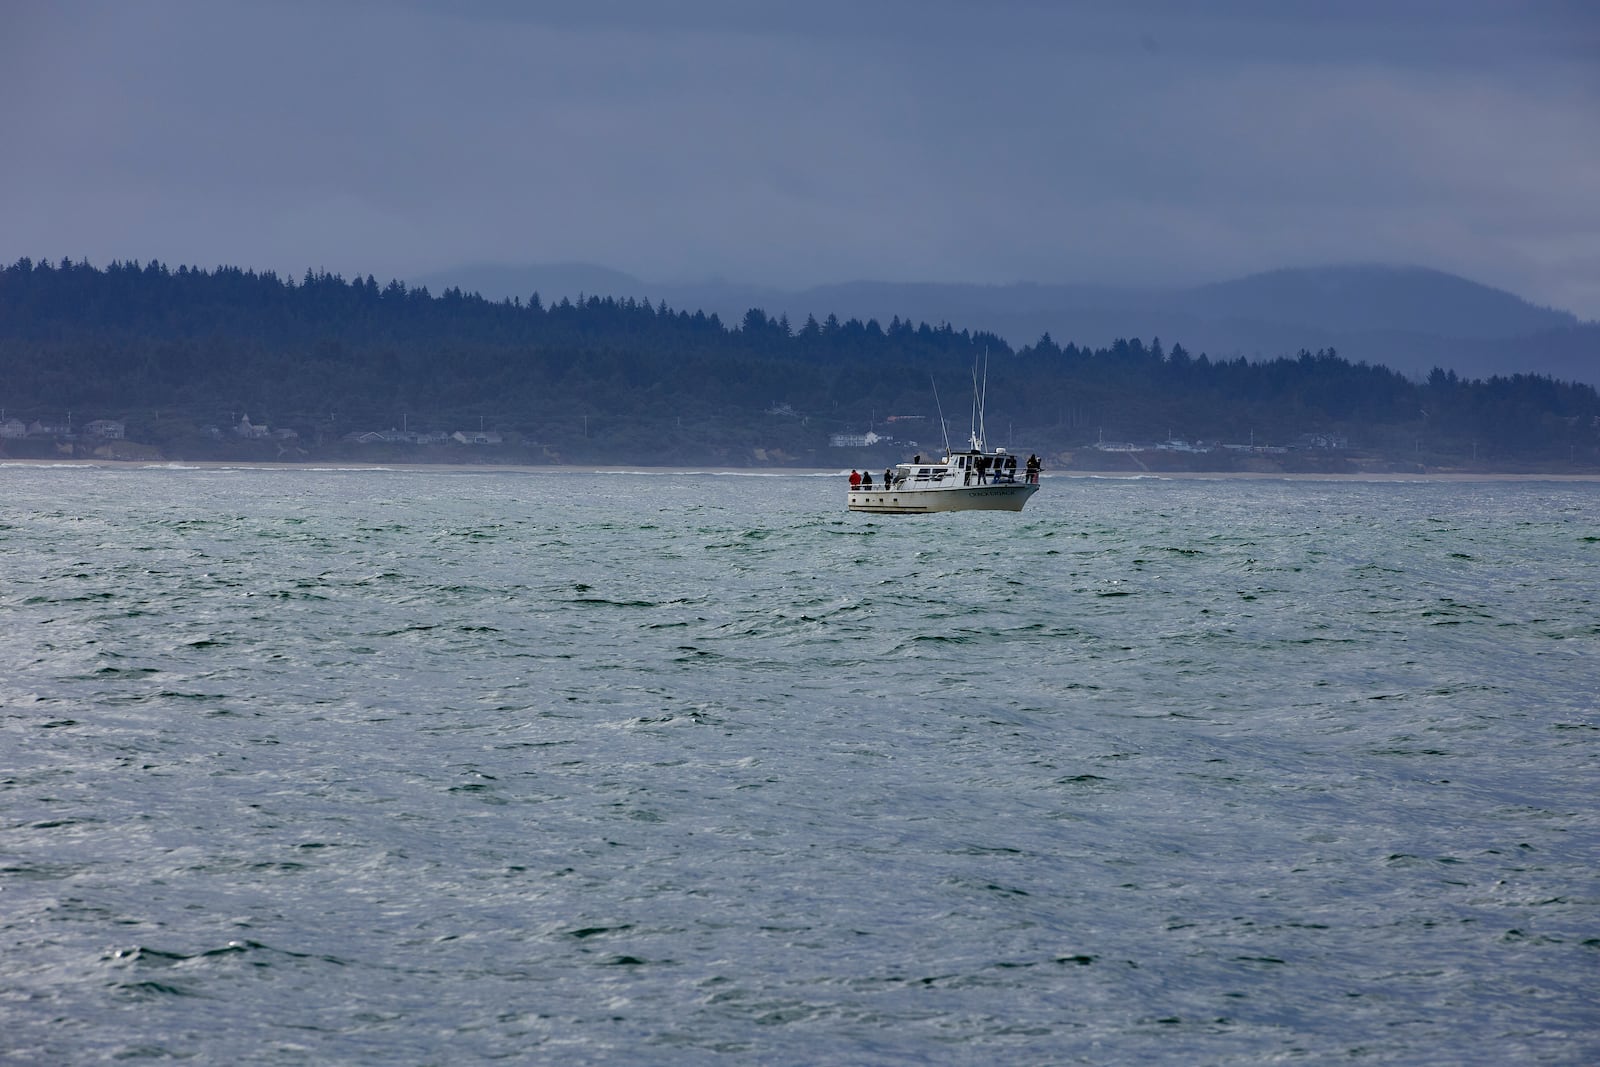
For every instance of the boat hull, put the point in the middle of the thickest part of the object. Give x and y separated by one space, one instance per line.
957 498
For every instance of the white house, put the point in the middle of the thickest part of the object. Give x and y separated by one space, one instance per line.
249 430
855 440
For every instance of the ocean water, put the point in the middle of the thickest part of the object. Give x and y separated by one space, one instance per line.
388 766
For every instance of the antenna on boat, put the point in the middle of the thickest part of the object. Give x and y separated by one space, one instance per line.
983 402
979 397
943 426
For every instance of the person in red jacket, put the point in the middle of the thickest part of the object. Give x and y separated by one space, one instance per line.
855 478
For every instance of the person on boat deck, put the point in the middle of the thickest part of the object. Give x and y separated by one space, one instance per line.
855 478
983 470
1034 466
888 476
866 479
1011 468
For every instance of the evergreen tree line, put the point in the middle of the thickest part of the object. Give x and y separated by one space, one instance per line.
184 347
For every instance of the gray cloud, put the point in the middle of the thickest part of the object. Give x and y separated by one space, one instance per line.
927 141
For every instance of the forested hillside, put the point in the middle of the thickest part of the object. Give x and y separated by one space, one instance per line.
182 355
1409 319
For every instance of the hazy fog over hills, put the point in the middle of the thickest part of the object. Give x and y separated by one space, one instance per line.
1156 150
1408 318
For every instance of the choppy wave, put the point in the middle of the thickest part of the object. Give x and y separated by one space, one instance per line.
389 766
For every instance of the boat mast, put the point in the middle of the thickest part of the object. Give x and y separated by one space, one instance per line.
979 396
983 403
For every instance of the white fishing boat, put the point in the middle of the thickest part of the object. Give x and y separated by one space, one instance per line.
970 479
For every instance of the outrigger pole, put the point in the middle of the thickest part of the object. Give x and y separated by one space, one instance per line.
943 427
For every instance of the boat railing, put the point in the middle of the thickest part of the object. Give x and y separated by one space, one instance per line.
991 477
937 476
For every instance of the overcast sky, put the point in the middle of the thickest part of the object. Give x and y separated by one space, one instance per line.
796 144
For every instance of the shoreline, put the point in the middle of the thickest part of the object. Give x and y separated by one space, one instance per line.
777 472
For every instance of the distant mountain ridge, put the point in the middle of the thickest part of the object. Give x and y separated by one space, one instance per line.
1408 318
1375 298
